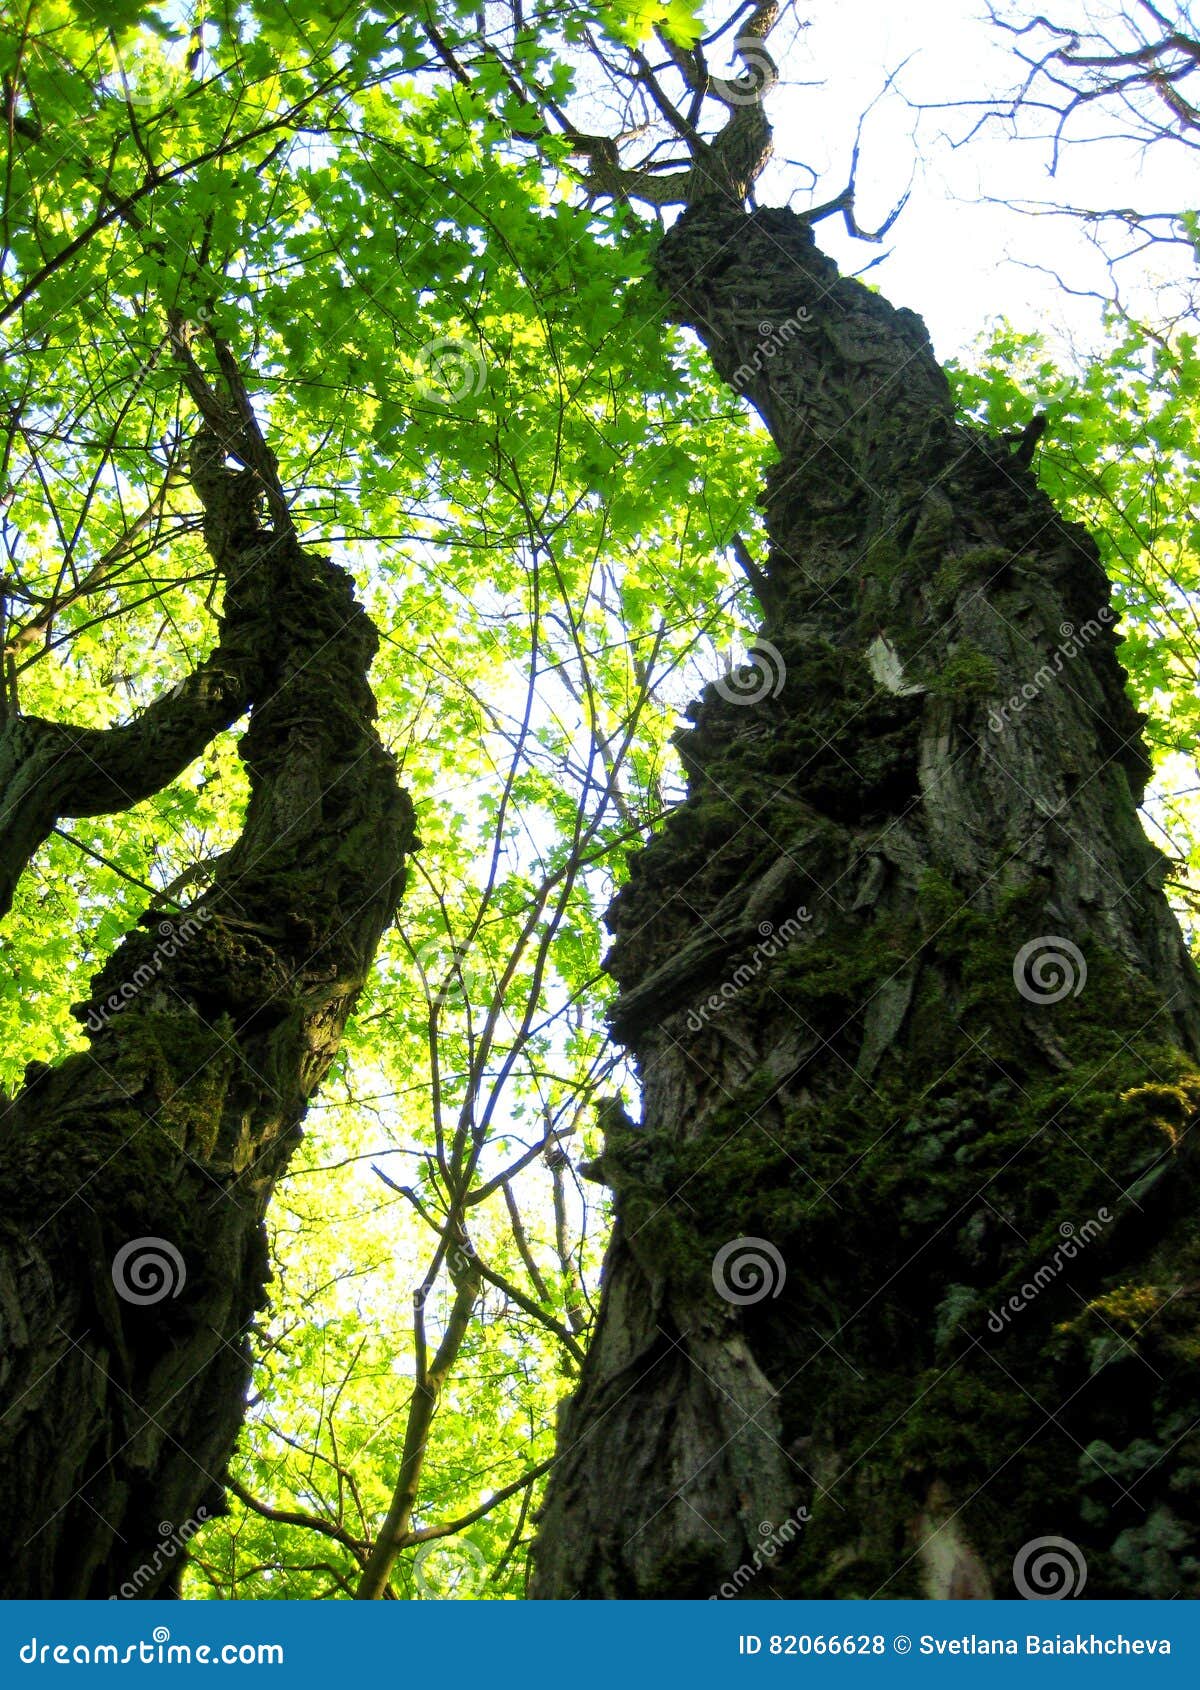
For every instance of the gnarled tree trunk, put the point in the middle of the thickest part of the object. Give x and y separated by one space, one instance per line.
134 1176
905 1264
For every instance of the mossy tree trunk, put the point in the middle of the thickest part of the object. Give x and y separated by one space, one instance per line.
916 1030
134 1176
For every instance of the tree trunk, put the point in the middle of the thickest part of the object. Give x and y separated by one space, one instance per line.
134 1176
916 1031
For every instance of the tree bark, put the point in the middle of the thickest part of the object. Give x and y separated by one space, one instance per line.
956 1177
53 770
134 1175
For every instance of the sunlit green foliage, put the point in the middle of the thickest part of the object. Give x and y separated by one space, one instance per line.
465 377
473 401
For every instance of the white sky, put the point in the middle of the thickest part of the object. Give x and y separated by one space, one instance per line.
956 261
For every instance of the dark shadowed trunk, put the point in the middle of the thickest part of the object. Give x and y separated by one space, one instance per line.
905 1267
134 1176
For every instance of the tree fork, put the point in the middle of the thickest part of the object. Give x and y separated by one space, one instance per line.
905 1251
134 1176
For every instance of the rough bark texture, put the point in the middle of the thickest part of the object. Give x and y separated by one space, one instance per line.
51 770
863 1085
119 1406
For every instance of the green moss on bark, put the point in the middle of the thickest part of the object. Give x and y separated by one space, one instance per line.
955 1235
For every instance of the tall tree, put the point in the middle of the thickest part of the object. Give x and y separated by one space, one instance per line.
136 1172
145 1163
923 782
905 1244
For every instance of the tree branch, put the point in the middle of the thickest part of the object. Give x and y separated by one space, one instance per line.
296 1517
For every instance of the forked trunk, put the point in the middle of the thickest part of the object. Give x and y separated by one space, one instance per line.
134 1176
